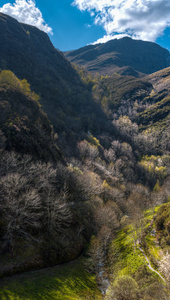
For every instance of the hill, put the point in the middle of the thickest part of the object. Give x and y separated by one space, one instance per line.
29 53
124 56
160 80
156 115
25 127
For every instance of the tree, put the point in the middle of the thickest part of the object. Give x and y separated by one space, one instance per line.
56 212
20 208
124 288
164 266
107 215
2 140
87 150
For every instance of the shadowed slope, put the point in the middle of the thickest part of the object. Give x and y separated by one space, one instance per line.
137 56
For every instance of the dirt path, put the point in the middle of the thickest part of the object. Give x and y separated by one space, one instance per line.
149 264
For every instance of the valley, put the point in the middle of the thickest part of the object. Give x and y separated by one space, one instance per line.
84 168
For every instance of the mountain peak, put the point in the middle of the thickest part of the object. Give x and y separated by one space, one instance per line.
109 58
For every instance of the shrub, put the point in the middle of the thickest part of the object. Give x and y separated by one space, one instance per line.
124 288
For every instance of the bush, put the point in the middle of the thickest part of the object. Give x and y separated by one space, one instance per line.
124 288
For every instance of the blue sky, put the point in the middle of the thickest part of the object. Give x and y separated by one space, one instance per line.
72 24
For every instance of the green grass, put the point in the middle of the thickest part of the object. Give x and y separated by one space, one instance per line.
153 248
69 281
149 214
126 258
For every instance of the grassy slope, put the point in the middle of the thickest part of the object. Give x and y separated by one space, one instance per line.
69 281
126 259
156 115
117 88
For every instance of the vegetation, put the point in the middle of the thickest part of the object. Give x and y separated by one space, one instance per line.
24 125
162 222
82 162
129 271
69 281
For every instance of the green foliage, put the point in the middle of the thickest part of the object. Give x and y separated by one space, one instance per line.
25 126
9 80
156 187
156 168
92 140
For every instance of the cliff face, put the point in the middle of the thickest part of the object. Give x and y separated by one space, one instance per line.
124 56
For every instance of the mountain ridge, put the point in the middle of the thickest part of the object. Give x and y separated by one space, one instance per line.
110 57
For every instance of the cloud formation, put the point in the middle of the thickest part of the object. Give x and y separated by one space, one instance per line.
25 11
140 19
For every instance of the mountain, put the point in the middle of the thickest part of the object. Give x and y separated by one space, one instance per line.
82 156
124 56
29 53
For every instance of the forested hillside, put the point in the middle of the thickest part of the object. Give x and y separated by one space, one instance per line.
83 158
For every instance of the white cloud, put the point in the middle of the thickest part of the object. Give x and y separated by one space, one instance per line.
25 11
140 19
109 37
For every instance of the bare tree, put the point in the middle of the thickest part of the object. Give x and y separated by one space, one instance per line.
20 208
57 215
164 266
2 140
107 216
124 288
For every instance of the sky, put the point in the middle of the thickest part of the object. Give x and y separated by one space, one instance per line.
72 24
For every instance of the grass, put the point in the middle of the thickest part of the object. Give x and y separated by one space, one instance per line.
153 248
149 214
126 258
69 281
